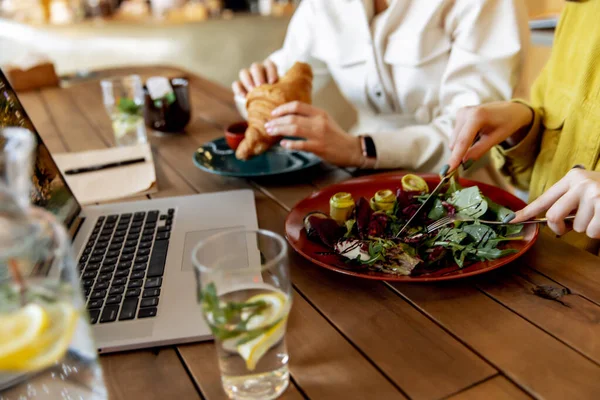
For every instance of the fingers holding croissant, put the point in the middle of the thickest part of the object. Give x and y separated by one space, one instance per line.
295 85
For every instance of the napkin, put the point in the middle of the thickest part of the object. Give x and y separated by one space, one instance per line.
112 183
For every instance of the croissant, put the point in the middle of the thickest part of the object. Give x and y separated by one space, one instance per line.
295 85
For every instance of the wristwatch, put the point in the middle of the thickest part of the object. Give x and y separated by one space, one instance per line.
369 152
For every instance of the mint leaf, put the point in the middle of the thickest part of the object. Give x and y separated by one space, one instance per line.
226 320
127 106
170 98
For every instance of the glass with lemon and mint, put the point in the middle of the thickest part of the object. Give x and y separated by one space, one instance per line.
46 351
245 293
124 101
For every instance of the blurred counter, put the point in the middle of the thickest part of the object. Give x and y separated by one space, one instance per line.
213 48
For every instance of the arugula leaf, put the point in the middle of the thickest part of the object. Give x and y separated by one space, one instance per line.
479 232
513 229
500 212
453 187
493 243
454 235
492 254
376 251
460 255
469 202
437 211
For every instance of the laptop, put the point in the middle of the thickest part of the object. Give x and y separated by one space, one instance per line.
134 258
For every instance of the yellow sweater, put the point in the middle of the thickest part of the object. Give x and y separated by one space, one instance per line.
565 99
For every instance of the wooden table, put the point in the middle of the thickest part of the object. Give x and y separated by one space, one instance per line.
483 338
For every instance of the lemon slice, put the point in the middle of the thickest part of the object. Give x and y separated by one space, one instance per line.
414 183
253 350
47 345
18 333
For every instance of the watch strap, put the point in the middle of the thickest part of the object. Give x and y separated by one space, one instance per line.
369 151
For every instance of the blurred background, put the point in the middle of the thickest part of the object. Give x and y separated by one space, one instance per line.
213 38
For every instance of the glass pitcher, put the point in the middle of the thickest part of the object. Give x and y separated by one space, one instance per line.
46 349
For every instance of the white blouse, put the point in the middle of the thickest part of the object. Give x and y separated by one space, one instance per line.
409 69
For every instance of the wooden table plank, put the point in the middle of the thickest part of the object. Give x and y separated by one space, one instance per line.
78 134
527 355
575 269
143 374
325 365
573 319
498 388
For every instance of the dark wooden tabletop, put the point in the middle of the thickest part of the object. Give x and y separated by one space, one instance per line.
489 337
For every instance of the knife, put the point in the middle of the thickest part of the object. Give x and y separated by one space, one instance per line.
445 178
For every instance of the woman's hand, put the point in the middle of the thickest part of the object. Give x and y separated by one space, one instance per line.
323 135
493 122
256 75
578 190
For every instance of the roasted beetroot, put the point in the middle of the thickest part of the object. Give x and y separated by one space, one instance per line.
408 211
436 254
450 209
310 230
378 223
405 199
363 216
325 229
414 239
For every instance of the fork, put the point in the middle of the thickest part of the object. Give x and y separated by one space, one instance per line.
440 223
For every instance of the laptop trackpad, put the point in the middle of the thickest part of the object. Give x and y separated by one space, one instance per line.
193 238
107 333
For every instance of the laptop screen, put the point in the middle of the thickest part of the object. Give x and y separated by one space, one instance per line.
49 189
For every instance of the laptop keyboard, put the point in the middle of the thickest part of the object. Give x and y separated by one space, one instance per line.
123 263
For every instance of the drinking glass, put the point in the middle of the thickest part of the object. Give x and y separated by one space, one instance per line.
172 112
245 292
124 102
46 350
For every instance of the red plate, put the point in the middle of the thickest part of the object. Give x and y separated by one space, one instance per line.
366 187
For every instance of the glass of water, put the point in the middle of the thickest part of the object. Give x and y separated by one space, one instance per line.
246 296
124 101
